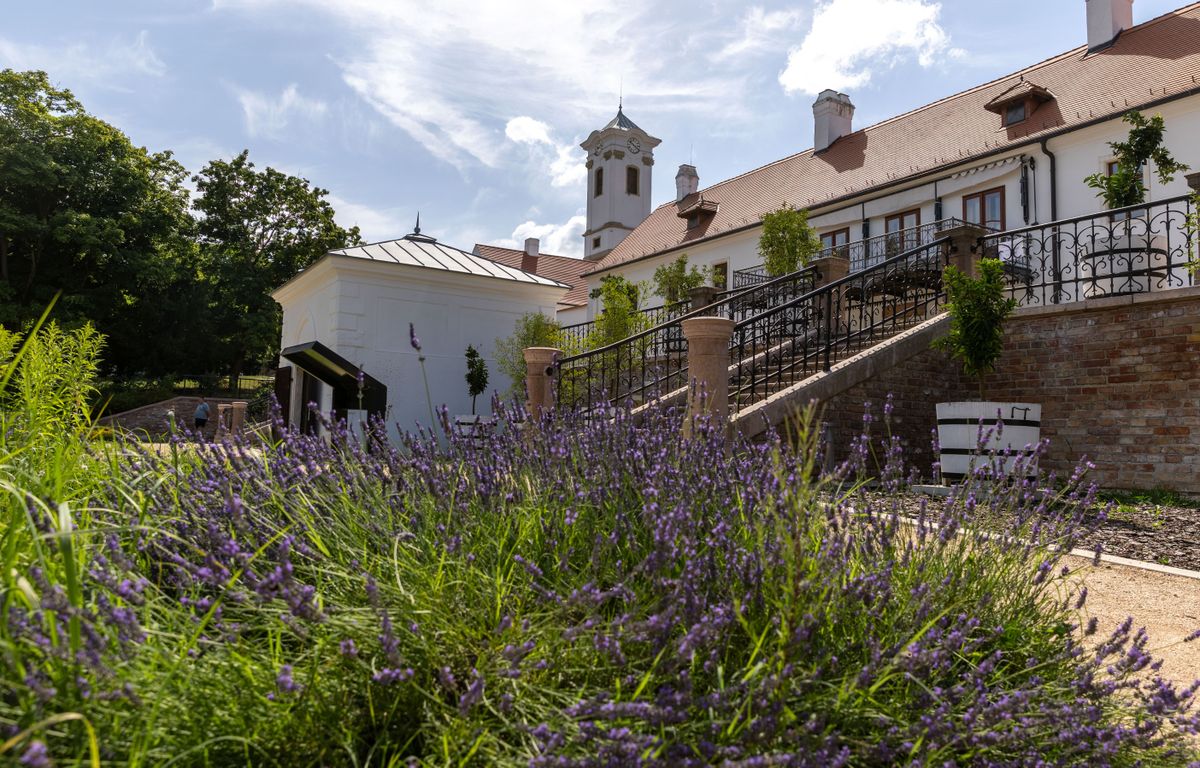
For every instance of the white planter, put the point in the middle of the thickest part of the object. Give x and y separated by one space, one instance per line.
959 434
466 425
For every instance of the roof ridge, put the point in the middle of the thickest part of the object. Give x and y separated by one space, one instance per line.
518 250
974 89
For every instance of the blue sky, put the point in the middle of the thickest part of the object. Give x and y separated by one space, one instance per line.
472 112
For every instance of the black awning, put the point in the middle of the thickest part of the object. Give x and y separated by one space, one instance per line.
341 375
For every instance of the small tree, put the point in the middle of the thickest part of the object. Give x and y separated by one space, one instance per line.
477 375
1144 145
787 242
619 317
532 330
673 281
978 308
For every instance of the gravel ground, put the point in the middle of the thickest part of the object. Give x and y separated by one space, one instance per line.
1164 531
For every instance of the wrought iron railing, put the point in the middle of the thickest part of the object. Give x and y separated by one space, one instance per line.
1138 249
576 337
790 342
863 253
654 361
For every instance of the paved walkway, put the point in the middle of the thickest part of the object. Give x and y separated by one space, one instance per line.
1167 604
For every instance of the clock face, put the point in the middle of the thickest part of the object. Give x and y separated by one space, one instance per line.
635 146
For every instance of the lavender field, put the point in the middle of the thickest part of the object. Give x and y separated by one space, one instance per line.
562 595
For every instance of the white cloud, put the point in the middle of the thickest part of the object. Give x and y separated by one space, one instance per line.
849 38
563 161
559 239
106 65
451 77
374 224
762 30
269 116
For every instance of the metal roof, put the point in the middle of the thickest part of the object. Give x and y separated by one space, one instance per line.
622 122
417 250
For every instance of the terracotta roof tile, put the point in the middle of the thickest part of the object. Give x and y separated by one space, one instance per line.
562 269
1156 60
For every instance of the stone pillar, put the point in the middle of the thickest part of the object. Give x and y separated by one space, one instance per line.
222 419
708 368
239 417
1193 181
830 268
964 240
701 297
539 379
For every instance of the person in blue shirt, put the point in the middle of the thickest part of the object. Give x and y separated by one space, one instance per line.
201 415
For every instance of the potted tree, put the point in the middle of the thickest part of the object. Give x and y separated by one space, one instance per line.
978 308
477 381
1123 257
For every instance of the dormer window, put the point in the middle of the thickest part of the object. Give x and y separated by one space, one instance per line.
1018 102
1014 113
693 220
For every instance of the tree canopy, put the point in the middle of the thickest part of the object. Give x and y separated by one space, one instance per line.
787 243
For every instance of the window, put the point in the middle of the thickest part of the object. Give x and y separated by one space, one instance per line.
595 242
631 180
599 182
693 220
986 208
906 223
1014 113
720 275
837 239
1110 167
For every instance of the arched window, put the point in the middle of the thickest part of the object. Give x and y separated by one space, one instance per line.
631 180
599 182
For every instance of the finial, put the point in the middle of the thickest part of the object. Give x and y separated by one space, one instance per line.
417 231
621 94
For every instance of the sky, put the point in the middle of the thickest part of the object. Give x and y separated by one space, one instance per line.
472 112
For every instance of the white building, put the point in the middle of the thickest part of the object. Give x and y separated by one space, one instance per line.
1006 154
351 311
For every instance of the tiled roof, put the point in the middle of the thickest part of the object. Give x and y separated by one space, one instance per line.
422 251
1149 63
562 269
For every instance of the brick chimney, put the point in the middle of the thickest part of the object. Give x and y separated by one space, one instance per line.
1105 20
832 117
530 258
687 181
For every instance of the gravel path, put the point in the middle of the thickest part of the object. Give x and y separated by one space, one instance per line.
1163 533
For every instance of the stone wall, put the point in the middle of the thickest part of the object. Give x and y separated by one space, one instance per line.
151 420
1118 380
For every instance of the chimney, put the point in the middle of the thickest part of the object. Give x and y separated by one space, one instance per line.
832 116
687 181
530 258
1105 20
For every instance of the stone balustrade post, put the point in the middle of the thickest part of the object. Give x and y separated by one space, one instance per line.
238 421
702 297
222 420
708 368
830 269
539 379
964 240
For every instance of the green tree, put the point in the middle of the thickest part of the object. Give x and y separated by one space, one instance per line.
619 317
787 243
673 281
477 375
532 330
85 213
978 309
258 229
1143 145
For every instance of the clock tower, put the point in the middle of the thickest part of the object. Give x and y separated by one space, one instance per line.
620 161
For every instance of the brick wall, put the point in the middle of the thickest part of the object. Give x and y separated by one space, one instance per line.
1118 380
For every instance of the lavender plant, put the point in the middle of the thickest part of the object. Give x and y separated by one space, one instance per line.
571 594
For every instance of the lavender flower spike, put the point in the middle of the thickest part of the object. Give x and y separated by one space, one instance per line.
412 338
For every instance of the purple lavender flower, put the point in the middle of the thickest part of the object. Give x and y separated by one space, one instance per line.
412 338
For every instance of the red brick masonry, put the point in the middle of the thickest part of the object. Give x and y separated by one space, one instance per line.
1118 380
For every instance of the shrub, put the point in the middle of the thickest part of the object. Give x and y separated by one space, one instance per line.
787 243
619 317
477 375
578 594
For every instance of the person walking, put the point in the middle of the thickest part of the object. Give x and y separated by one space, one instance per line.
201 415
